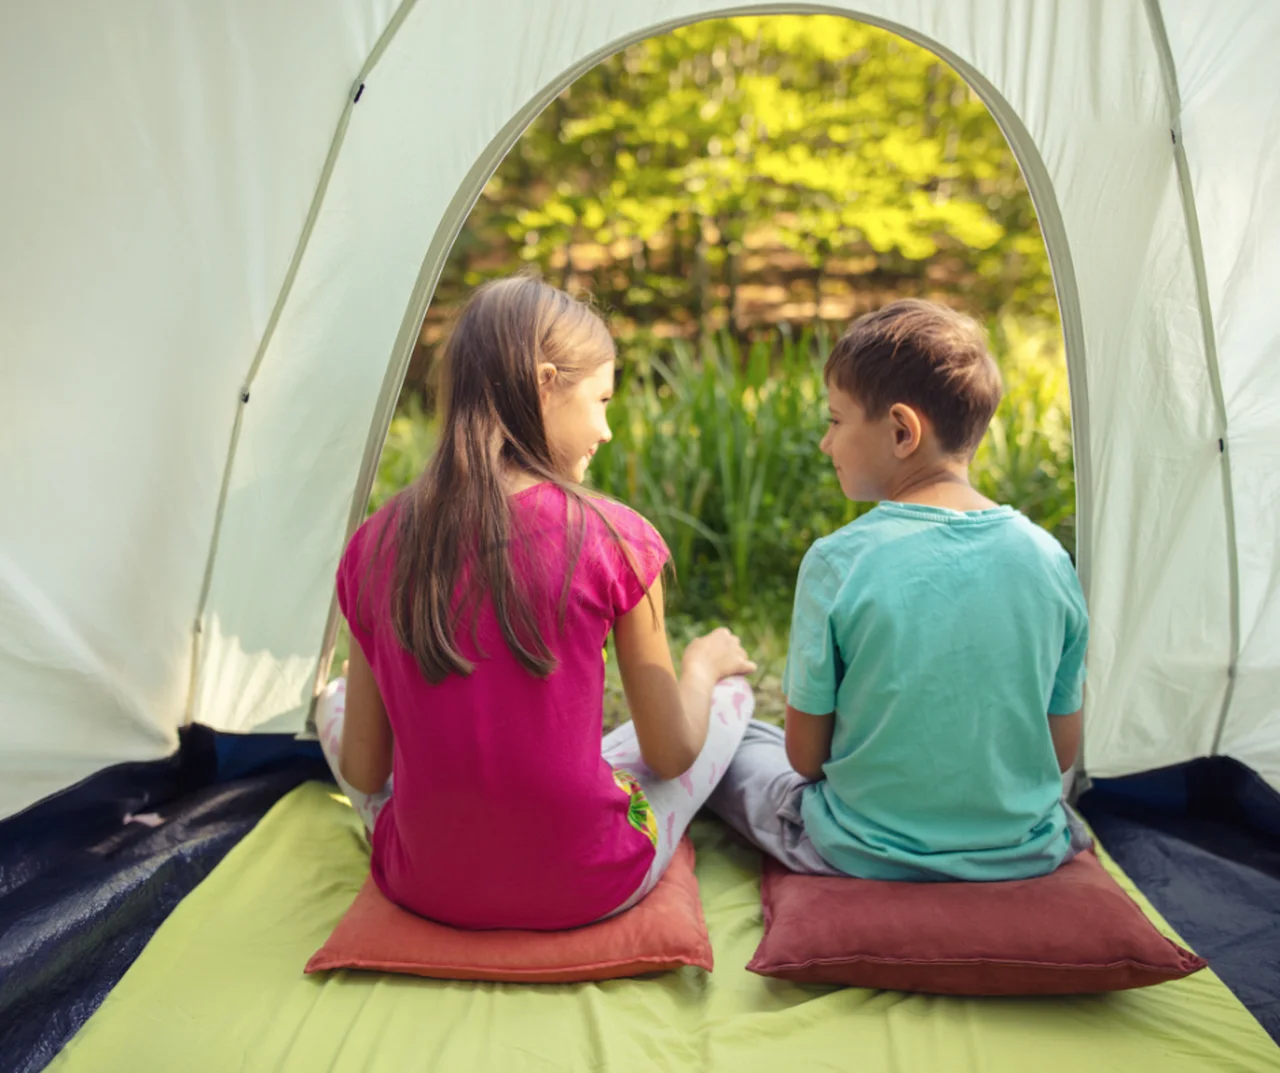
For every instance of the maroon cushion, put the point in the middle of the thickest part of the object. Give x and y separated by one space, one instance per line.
1070 932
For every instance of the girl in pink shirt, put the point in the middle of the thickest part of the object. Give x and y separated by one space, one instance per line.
479 600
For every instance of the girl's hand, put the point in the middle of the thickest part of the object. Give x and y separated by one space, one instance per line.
717 655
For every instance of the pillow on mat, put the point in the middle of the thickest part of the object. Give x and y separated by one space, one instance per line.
664 931
1071 932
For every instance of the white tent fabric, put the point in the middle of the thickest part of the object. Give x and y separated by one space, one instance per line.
1225 59
221 224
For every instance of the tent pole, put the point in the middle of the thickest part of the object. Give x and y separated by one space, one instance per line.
286 288
1187 192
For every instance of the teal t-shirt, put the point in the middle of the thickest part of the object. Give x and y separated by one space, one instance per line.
943 642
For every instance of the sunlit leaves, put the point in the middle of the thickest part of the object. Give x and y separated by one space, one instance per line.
835 137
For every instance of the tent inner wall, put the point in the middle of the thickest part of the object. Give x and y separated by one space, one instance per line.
1230 129
156 176
193 203
1088 92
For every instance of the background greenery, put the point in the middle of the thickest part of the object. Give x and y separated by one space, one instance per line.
718 447
730 195
742 173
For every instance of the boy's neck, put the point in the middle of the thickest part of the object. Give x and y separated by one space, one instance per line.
943 482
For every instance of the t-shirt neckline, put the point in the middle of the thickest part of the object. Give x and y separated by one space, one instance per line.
946 514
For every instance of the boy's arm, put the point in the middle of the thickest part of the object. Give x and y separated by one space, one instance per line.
808 742
1066 703
1065 730
812 674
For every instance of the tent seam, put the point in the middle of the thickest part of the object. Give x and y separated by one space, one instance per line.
282 298
1191 219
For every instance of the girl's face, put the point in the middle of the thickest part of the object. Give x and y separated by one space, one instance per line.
575 419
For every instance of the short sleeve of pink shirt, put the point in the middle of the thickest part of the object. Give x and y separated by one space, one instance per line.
624 585
504 813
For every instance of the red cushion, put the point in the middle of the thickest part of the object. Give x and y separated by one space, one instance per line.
1070 932
664 931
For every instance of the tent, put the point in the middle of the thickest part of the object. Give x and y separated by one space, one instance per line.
223 221
223 224
222 227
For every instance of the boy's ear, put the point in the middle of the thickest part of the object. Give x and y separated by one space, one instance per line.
908 429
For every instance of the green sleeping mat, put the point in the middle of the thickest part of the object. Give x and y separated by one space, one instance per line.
220 989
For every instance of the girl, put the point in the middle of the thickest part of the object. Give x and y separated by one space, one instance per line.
480 600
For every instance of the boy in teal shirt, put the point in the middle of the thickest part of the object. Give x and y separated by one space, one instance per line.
935 674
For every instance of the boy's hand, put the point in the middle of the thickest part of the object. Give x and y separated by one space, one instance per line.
717 654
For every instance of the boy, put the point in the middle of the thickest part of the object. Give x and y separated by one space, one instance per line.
936 668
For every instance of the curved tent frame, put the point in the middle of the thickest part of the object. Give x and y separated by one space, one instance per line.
238 283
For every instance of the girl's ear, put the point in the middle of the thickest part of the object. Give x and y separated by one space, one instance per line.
908 429
547 374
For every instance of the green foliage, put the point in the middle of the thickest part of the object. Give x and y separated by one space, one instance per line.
1026 459
677 159
719 449
720 452
410 441
742 172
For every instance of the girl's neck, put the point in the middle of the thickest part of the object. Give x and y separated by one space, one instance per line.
515 481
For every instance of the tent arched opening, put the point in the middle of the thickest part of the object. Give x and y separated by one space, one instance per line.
292 258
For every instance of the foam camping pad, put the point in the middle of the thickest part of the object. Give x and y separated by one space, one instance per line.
220 989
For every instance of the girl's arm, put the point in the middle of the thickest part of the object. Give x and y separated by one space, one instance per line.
670 715
365 760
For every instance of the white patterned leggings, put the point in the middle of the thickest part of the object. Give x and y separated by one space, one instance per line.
674 802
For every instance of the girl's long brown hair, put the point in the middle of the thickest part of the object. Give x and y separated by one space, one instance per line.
452 524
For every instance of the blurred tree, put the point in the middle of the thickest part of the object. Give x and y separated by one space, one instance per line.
755 170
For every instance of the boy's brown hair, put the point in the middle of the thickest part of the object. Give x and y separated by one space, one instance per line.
931 358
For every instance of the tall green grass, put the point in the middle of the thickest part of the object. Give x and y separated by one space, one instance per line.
718 447
405 452
1025 459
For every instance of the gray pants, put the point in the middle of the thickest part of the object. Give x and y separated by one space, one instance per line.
759 797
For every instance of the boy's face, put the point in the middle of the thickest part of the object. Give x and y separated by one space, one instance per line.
862 451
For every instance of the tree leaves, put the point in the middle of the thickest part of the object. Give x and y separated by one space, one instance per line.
810 134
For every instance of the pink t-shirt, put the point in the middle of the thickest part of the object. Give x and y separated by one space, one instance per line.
503 814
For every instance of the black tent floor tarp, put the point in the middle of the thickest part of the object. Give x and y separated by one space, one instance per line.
1202 842
86 877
